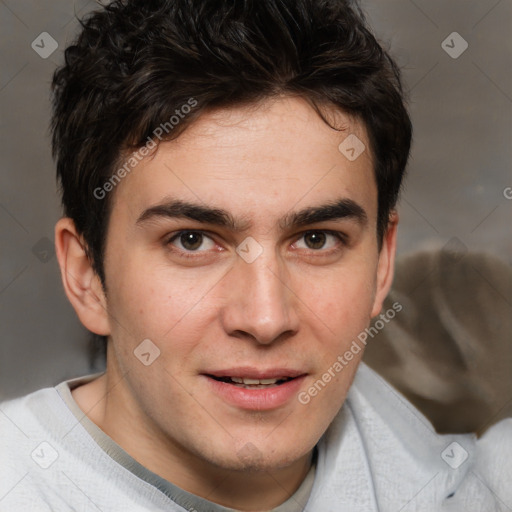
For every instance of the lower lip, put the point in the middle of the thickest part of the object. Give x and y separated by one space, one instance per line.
257 399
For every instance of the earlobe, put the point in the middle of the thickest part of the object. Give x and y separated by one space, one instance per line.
81 283
386 264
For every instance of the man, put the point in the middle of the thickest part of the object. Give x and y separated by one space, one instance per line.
229 173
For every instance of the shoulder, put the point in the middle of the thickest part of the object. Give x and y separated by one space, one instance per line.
22 419
411 464
51 462
494 460
26 447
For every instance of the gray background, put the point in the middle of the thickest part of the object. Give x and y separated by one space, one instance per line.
460 167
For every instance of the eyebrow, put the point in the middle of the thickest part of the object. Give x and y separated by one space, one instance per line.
343 208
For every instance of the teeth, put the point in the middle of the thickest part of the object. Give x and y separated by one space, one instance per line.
248 382
268 381
253 383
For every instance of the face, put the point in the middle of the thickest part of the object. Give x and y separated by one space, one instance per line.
246 251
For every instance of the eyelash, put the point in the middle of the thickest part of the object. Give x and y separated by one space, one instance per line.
342 239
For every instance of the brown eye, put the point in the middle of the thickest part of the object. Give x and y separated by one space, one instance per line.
320 241
315 239
191 241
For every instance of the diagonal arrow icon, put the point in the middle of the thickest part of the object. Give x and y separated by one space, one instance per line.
44 45
146 352
44 455
454 455
351 147
249 249
454 45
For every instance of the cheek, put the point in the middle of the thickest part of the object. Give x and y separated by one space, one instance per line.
339 313
171 308
343 301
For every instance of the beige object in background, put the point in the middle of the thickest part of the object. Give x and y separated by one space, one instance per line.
449 350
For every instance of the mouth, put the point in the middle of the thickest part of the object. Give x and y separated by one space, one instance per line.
253 389
248 383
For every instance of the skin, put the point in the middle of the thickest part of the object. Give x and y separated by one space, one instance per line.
296 306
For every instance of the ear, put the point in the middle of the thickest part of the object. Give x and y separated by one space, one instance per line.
81 283
386 264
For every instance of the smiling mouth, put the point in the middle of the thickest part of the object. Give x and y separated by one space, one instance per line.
247 383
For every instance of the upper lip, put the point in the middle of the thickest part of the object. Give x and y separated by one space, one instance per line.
256 373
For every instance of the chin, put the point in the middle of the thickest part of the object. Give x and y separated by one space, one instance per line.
264 455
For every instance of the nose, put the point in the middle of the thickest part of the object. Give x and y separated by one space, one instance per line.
261 305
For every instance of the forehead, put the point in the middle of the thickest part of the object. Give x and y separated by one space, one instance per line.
257 159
